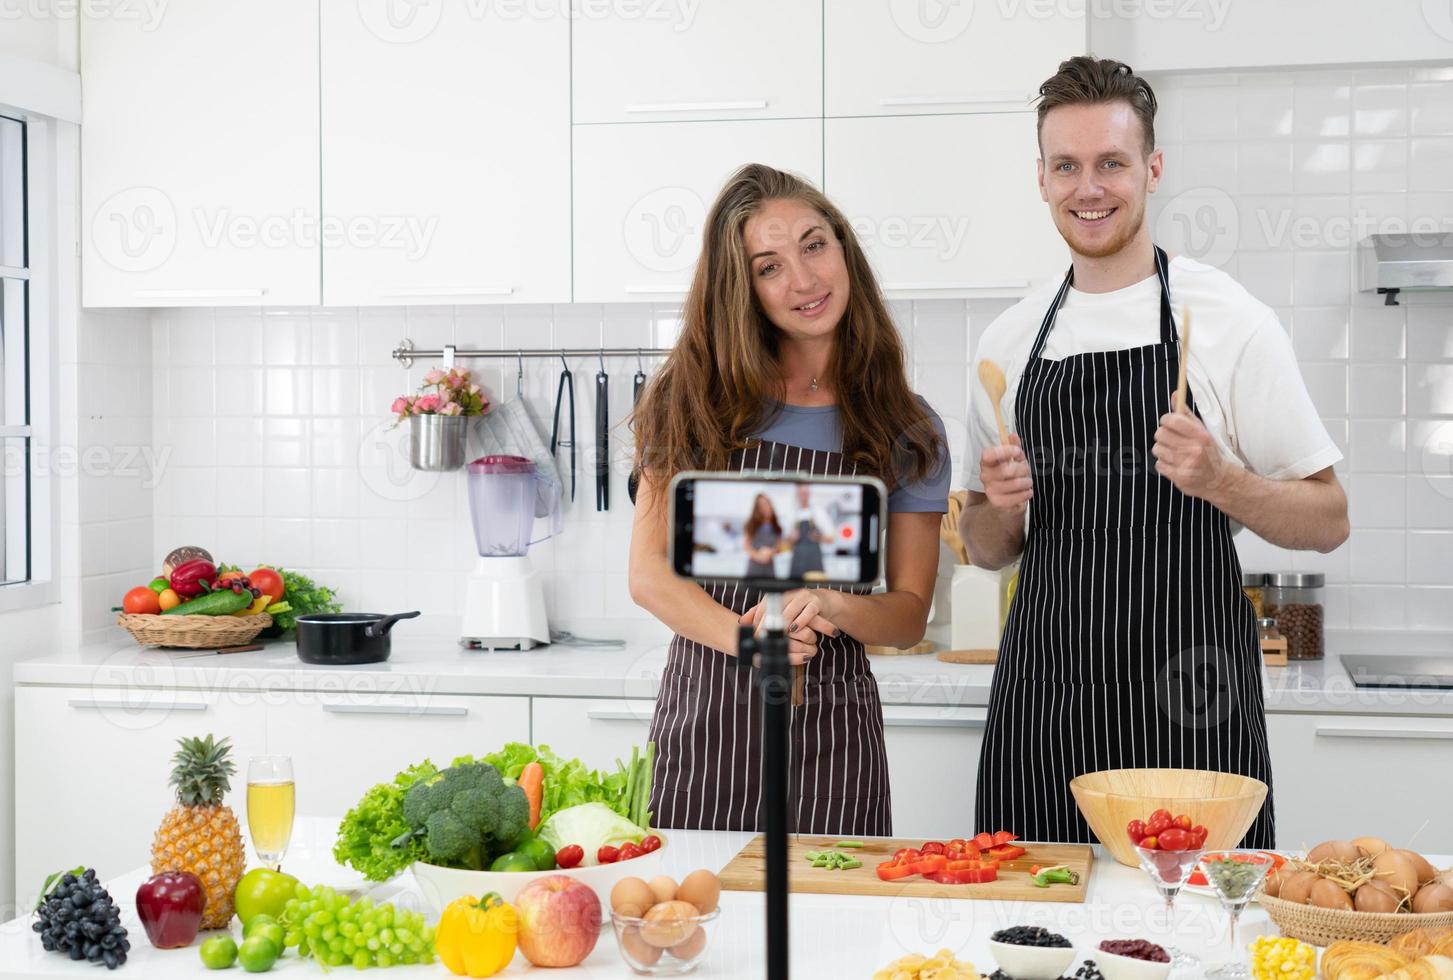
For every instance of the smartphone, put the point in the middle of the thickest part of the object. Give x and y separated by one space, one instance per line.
785 529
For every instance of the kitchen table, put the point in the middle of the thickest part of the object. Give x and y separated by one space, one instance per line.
832 936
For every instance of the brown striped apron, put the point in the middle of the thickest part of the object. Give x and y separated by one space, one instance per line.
707 723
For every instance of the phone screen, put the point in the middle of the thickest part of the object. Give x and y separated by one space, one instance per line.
782 529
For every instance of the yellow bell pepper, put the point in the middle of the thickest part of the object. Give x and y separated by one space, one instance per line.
477 937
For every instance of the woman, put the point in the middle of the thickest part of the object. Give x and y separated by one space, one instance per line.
810 531
762 533
787 361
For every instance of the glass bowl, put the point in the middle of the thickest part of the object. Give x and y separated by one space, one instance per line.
665 948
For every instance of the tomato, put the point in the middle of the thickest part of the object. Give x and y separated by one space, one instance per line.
1198 836
1159 821
1135 830
1183 822
570 855
1175 839
933 847
1150 842
629 851
650 843
268 581
607 854
141 600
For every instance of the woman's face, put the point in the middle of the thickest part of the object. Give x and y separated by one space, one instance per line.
797 267
763 509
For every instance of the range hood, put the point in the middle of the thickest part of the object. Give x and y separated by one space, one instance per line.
1389 263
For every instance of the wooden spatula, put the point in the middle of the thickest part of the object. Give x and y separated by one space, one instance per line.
1180 405
991 376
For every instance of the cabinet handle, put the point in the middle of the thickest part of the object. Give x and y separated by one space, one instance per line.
988 98
13 272
601 715
969 723
92 704
447 291
657 290
240 293
1440 734
391 709
1004 284
697 106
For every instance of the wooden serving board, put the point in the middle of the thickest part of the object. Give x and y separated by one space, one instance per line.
969 656
747 872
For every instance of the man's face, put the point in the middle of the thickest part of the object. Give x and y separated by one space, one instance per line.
1095 174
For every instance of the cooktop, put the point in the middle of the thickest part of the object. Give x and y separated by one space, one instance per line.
1412 671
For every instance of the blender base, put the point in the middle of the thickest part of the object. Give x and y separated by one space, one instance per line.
504 606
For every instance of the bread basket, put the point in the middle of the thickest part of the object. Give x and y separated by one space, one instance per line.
1322 927
193 632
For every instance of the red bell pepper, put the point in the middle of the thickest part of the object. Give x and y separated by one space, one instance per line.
1004 837
893 870
1005 852
965 876
187 578
984 841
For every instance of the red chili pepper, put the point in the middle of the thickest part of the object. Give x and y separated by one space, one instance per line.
569 856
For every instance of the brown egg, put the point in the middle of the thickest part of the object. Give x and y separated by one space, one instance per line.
702 889
692 947
1377 896
1334 850
1370 846
664 888
632 897
1275 880
1397 870
669 924
1327 894
1436 897
637 949
1426 872
1298 887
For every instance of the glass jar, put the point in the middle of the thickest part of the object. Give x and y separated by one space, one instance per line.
1266 629
1296 600
1251 583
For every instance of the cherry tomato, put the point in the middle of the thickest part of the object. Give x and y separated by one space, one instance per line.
141 600
629 851
607 854
1183 822
1175 839
269 581
1135 830
1159 821
650 843
1149 842
569 856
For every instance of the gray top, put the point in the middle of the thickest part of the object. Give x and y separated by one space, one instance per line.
817 429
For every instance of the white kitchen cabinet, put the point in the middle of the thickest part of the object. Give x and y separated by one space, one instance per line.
447 178
945 205
1344 776
598 731
908 56
711 59
92 765
933 763
341 744
642 191
199 156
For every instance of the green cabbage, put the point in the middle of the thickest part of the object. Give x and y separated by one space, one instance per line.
592 826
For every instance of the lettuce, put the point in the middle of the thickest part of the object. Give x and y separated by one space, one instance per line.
592 826
568 782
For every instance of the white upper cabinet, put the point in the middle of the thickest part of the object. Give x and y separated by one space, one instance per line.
945 205
446 155
199 156
893 57
696 59
642 193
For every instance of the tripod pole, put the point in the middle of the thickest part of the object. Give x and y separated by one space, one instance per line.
775 680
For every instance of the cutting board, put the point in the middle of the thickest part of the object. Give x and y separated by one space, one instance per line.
969 656
747 872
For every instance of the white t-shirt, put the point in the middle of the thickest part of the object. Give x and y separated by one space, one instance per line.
1242 374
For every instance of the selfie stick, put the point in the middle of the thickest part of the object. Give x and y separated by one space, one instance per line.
774 682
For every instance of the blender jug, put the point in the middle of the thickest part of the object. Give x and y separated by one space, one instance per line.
506 493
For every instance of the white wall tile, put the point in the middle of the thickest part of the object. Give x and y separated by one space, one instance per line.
1378 556
1430 108
1430 503
1430 608
1430 333
1377 500
1322 107
1430 163
1378 445
1430 389
1375 390
1428 557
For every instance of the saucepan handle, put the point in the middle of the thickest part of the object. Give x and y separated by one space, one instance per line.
381 627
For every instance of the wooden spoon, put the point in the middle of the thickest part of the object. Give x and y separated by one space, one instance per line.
1180 405
991 376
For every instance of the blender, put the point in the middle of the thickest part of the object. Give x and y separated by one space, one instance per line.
504 602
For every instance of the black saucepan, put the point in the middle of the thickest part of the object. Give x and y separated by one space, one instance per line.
346 638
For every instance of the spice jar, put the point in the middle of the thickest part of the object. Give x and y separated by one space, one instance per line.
1295 601
1273 644
1251 583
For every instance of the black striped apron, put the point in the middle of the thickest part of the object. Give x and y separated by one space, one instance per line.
707 722
1130 643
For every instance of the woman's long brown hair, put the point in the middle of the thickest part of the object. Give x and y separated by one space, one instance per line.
711 395
756 520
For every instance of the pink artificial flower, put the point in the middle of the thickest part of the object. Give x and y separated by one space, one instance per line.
453 408
434 377
427 403
473 389
401 405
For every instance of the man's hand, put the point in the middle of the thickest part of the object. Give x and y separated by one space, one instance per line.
1004 471
1186 455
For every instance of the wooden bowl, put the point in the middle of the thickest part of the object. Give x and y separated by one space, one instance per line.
1224 803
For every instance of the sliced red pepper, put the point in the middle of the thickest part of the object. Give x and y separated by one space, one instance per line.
932 847
906 854
983 841
968 876
1004 837
959 843
893 870
928 863
971 864
1005 852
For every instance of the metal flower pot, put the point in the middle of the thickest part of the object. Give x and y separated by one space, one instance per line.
437 442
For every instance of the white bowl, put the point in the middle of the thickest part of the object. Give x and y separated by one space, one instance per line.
1033 962
1116 967
440 886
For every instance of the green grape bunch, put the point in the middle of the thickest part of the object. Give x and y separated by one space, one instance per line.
337 931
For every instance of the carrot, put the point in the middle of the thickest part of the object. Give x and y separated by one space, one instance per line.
532 781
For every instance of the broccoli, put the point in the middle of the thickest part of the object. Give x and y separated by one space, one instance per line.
466 814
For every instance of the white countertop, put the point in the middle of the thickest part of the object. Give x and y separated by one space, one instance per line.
831 935
437 665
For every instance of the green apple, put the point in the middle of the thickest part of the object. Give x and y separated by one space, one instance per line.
262 891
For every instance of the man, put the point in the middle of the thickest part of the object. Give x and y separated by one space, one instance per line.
1130 643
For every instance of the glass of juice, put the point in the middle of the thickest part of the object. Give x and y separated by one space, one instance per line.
270 806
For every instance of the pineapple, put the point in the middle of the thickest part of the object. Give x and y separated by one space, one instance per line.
200 834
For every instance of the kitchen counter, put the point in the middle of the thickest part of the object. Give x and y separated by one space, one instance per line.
832 935
438 665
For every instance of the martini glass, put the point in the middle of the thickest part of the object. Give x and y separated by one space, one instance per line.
1235 876
1168 871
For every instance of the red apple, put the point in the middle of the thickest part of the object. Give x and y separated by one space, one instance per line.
170 907
559 921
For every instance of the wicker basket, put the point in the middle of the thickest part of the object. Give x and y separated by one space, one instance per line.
193 632
1322 927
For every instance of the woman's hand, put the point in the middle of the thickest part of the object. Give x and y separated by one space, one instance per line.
807 609
801 646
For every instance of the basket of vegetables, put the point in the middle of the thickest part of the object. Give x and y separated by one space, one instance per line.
194 604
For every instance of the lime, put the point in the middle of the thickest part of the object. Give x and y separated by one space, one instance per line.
218 953
514 861
258 954
538 851
159 584
261 919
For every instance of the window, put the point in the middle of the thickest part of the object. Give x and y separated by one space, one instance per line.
15 430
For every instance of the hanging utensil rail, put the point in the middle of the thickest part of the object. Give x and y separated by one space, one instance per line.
406 352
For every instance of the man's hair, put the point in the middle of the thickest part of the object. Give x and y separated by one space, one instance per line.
1086 80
